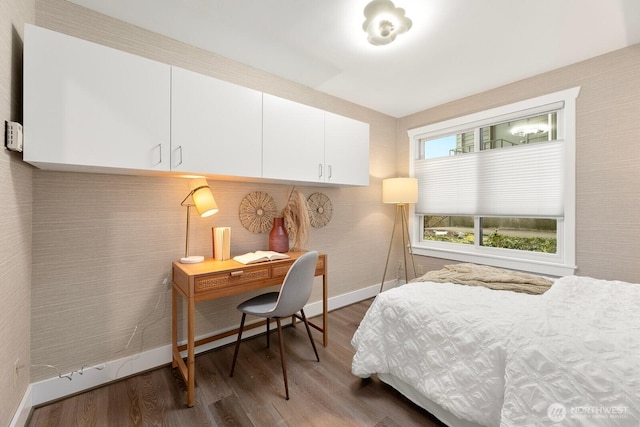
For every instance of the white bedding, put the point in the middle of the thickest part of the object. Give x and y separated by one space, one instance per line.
578 361
445 340
510 359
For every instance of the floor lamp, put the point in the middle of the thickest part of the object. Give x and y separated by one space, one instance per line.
202 199
401 192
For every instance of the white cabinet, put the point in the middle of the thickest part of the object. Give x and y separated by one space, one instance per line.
346 150
292 140
302 143
91 108
216 126
88 106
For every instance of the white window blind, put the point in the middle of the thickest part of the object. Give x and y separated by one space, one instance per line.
522 181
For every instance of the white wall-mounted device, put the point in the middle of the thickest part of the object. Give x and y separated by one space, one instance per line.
13 136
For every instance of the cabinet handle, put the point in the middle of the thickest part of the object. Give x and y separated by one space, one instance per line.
180 162
237 273
330 172
320 170
160 151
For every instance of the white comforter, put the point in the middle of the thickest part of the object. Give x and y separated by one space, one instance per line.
445 340
578 361
510 359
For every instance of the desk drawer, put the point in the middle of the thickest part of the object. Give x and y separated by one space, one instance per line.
280 270
231 278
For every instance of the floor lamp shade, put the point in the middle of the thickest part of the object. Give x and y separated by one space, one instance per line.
400 190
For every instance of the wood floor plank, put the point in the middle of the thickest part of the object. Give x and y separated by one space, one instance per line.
255 376
90 408
265 415
322 394
47 416
229 411
153 406
211 376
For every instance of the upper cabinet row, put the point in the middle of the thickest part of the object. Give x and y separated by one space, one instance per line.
88 107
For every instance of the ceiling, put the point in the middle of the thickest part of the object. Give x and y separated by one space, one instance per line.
455 48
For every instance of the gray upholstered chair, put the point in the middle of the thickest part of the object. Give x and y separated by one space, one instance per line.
293 295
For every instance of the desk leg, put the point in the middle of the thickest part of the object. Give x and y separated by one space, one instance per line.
191 359
174 326
325 334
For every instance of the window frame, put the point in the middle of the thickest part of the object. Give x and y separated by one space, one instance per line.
561 263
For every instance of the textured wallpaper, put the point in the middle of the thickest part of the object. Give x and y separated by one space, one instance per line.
15 220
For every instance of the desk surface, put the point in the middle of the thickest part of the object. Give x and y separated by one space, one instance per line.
211 265
213 279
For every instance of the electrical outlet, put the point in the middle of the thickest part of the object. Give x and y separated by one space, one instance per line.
419 269
167 281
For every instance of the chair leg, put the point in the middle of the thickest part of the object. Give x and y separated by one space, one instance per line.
284 365
268 323
313 344
235 353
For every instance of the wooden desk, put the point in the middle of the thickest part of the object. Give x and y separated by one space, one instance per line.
213 279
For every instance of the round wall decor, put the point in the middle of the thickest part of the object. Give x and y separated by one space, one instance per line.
257 211
320 209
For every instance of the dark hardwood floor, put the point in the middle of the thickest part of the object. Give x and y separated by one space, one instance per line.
322 394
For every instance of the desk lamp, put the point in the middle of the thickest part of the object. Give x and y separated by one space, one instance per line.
400 191
202 198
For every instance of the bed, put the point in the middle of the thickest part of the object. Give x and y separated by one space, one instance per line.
475 356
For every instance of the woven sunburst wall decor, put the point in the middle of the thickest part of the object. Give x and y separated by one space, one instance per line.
257 211
320 209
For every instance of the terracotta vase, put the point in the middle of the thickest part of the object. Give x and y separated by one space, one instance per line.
278 237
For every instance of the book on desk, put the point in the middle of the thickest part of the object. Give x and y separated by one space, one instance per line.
259 256
221 242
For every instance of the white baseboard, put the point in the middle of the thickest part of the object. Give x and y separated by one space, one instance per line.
24 409
56 388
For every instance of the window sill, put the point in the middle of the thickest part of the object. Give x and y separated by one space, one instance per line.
547 268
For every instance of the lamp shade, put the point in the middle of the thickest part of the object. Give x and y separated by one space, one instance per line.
202 197
400 190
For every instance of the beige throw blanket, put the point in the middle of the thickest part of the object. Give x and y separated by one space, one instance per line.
490 277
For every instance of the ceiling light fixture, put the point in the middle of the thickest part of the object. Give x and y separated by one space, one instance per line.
384 22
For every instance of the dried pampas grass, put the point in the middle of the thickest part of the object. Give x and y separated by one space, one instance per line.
296 219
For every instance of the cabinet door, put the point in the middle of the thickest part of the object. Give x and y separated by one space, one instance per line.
346 150
216 126
87 105
293 140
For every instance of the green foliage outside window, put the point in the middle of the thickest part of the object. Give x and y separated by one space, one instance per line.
497 240
532 244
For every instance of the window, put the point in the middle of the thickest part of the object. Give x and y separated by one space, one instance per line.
498 187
